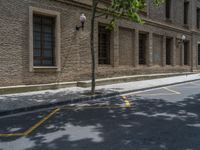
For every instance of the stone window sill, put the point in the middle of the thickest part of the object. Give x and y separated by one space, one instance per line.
45 69
168 20
186 26
105 66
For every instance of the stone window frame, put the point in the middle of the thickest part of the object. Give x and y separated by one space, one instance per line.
51 13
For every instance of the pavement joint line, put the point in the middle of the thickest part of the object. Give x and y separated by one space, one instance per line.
31 129
173 91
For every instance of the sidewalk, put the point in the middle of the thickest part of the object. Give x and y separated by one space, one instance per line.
14 103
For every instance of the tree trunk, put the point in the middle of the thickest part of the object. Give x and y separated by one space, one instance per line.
93 66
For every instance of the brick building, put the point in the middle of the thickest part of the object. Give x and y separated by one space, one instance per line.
39 43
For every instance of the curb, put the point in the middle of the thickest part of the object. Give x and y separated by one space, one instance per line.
84 99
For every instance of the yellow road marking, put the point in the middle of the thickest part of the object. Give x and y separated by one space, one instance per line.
124 97
126 101
173 91
40 122
11 134
31 129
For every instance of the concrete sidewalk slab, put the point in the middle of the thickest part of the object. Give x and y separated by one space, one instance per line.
14 103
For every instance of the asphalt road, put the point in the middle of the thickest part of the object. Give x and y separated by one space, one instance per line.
160 119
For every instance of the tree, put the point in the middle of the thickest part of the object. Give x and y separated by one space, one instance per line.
117 9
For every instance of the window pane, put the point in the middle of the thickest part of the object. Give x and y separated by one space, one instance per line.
48 37
47 53
37 62
47 29
37 27
48 20
37 36
198 54
142 48
37 44
47 63
104 45
43 40
37 19
37 52
48 45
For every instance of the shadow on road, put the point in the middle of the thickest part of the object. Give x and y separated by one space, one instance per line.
151 124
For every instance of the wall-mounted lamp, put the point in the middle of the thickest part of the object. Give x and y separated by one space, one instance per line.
181 40
82 21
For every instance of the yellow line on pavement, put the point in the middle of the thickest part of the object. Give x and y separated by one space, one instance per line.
40 122
11 134
126 101
173 91
32 128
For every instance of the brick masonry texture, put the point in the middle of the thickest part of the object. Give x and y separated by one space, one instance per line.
75 46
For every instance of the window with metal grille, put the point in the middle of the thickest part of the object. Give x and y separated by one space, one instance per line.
186 52
186 11
168 50
168 9
198 18
142 48
104 45
43 40
198 54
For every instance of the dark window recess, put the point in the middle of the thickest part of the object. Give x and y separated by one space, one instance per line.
43 40
186 52
168 50
142 48
186 12
104 45
198 54
168 9
198 18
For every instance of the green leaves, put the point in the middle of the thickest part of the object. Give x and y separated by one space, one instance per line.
129 9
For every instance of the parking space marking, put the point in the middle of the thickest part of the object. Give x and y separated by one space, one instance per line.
11 134
126 101
31 129
173 91
143 93
194 83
